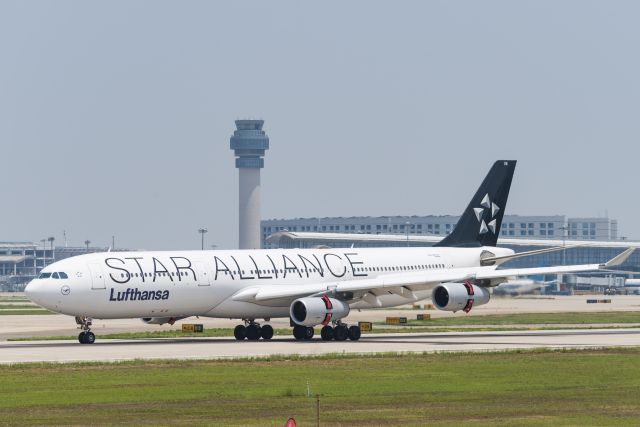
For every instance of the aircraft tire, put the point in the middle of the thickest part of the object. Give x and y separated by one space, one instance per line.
89 337
354 333
326 333
253 332
266 332
81 338
308 333
340 333
240 332
299 332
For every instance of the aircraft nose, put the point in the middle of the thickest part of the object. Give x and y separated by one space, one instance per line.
33 291
29 290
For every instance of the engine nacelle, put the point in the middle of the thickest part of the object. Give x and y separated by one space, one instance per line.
459 296
313 311
161 320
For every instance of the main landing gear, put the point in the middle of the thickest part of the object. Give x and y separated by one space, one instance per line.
339 332
86 336
252 331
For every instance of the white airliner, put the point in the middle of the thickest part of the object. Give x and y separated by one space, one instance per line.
312 286
519 287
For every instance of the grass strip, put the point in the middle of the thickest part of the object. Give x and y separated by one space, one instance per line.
14 299
536 388
531 319
19 305
25 312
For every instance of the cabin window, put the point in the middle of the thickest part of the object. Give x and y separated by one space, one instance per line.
63 275
44 275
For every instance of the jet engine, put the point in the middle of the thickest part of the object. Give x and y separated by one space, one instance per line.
313 311
161 320
459 296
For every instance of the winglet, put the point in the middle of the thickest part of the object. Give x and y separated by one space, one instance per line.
619 259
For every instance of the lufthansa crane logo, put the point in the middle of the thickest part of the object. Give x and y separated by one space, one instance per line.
492 209
65 290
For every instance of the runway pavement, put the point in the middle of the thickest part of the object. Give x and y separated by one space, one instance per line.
61 325
223 348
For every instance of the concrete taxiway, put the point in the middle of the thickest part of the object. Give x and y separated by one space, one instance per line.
223 348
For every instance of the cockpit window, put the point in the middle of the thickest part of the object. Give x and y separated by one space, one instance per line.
63 275
44 275
55 276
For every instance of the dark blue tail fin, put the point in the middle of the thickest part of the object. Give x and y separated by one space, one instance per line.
480 223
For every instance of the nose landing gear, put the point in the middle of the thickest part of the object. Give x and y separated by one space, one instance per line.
86 336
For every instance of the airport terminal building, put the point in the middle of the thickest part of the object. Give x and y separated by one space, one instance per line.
513 226
22 261
596 239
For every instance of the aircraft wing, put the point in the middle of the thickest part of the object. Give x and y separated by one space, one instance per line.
406 283
422 280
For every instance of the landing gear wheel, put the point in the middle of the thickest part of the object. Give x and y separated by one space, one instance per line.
266 332
89 337
308 333
354 333
299 332
86 336
340 333
326 333
240 332
253 332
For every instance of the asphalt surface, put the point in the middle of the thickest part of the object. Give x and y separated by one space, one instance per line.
15 326
223 348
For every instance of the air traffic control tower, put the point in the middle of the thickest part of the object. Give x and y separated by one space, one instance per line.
249 143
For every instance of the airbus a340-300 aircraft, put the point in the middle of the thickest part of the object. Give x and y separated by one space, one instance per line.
310 286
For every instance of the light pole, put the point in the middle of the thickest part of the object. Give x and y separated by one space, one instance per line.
44 252
51 239
565 235
202 230
565 232
87 243
406 225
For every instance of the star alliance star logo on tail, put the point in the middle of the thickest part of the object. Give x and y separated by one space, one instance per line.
492 209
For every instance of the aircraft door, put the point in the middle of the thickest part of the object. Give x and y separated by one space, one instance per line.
97 276
204 278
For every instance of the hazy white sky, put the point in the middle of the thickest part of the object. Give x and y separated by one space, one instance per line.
115 117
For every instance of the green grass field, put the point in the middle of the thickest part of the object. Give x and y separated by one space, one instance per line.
539 388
